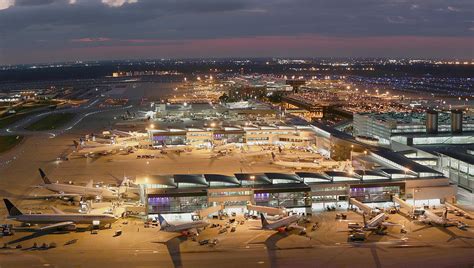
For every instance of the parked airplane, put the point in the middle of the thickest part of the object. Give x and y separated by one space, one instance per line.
428 217
187 228
88 191
377 223
127 188
88 150
282 225
59 219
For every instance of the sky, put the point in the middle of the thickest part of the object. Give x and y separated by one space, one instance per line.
33 31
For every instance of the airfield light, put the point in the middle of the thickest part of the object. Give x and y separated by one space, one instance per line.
213 124
152 126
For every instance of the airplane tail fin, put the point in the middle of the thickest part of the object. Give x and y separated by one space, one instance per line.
44 177
445 214
264 220
162 221
365 220
76 144
12 210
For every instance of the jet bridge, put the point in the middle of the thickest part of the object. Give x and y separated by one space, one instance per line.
403 204
365 208
268 210
203 213
466 214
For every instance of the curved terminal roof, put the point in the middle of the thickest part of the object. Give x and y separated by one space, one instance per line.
283 176
221 178
257 177
343 175
311 175
401 160
368 175
156 179
190 178
394 171
362 173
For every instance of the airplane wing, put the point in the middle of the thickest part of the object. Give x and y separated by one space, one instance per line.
57 225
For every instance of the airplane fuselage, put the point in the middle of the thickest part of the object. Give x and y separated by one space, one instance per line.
430 217
81 190
55 218
185 226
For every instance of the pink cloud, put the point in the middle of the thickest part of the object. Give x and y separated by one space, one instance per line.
263 46
91 40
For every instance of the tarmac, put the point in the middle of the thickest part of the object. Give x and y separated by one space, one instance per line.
248 246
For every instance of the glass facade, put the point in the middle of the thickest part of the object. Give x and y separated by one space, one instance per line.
175 204
374 194
169 140
288 200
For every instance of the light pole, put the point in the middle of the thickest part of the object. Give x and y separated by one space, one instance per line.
352 148
415 190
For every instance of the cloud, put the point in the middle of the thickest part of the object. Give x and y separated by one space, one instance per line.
91 40
4 4
118 3
87 23
454 9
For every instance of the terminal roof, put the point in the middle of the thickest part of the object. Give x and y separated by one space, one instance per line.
283 176
313 175
257 177
190 178
221 178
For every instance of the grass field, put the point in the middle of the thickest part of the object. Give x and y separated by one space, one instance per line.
8 142
22 112
8 120
52 121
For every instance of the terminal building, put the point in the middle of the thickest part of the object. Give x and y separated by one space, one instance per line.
377 174
393 126
441 141
251 135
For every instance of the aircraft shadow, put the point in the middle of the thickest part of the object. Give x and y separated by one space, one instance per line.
34 235
173 246
7 194
372 246
271 246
